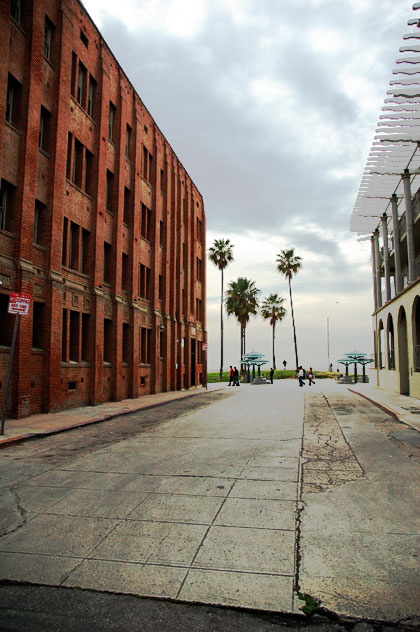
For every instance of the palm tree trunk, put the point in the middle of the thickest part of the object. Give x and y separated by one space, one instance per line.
242 346
274 351
293 321
221 329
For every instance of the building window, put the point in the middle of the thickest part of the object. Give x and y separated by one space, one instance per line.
144 281
147 165
85 251
111 121
71 350
162 181
74 343
126 347
15 10
109 192
7 205
7 322
161 343
48 38
88 173
44 130
91 95
125 273
146 223
160 287
74 246
128 134
38 325
13 101
107 346
85 337
81 85
161 234
127 206
199 265
145 345
107 263
79 165
198 309
40 236
84 39
199 230
75 254
77 171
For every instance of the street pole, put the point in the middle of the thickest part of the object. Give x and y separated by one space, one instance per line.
9 374
328 341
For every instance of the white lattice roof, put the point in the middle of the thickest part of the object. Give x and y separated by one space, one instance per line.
396 142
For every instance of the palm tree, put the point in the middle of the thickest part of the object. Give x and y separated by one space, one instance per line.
272 308
289 264
242 301
221 255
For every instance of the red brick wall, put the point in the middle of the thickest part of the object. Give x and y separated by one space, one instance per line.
75 367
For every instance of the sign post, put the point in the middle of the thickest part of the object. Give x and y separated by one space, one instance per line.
18 305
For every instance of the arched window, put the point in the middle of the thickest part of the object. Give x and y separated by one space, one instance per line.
382 347
390 343
416 333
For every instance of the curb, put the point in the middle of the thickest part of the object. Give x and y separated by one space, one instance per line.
383 407
45 433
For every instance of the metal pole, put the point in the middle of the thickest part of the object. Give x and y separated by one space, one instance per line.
328 341
9 373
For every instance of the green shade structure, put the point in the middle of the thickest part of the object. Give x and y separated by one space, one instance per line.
356 357
253 360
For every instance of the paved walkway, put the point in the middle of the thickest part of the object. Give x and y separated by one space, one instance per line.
235 504
406 409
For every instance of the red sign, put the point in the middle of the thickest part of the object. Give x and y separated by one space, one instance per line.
204 346
19 303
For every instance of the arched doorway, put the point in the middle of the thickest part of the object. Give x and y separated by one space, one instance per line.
416 334
403 353
382 347
390 343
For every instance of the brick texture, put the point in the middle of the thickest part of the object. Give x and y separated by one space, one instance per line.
101 224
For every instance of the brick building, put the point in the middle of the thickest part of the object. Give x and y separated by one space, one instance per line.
99 223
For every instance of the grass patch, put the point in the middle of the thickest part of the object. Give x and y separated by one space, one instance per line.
278 375
311 604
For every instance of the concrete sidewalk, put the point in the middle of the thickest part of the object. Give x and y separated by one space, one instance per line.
44 424
246 502
405 409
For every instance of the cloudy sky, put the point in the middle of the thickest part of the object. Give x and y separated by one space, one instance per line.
271 106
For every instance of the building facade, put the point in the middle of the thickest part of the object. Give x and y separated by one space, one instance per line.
99 223
396 281
387 211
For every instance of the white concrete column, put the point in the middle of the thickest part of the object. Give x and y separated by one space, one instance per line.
375 293
377 269
410 228
384 221
399 286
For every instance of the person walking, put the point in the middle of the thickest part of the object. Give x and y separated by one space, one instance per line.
235 377
271 375
284 364
231 376
301 376
310 376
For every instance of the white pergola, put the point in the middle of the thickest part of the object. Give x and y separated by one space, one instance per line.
395 150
